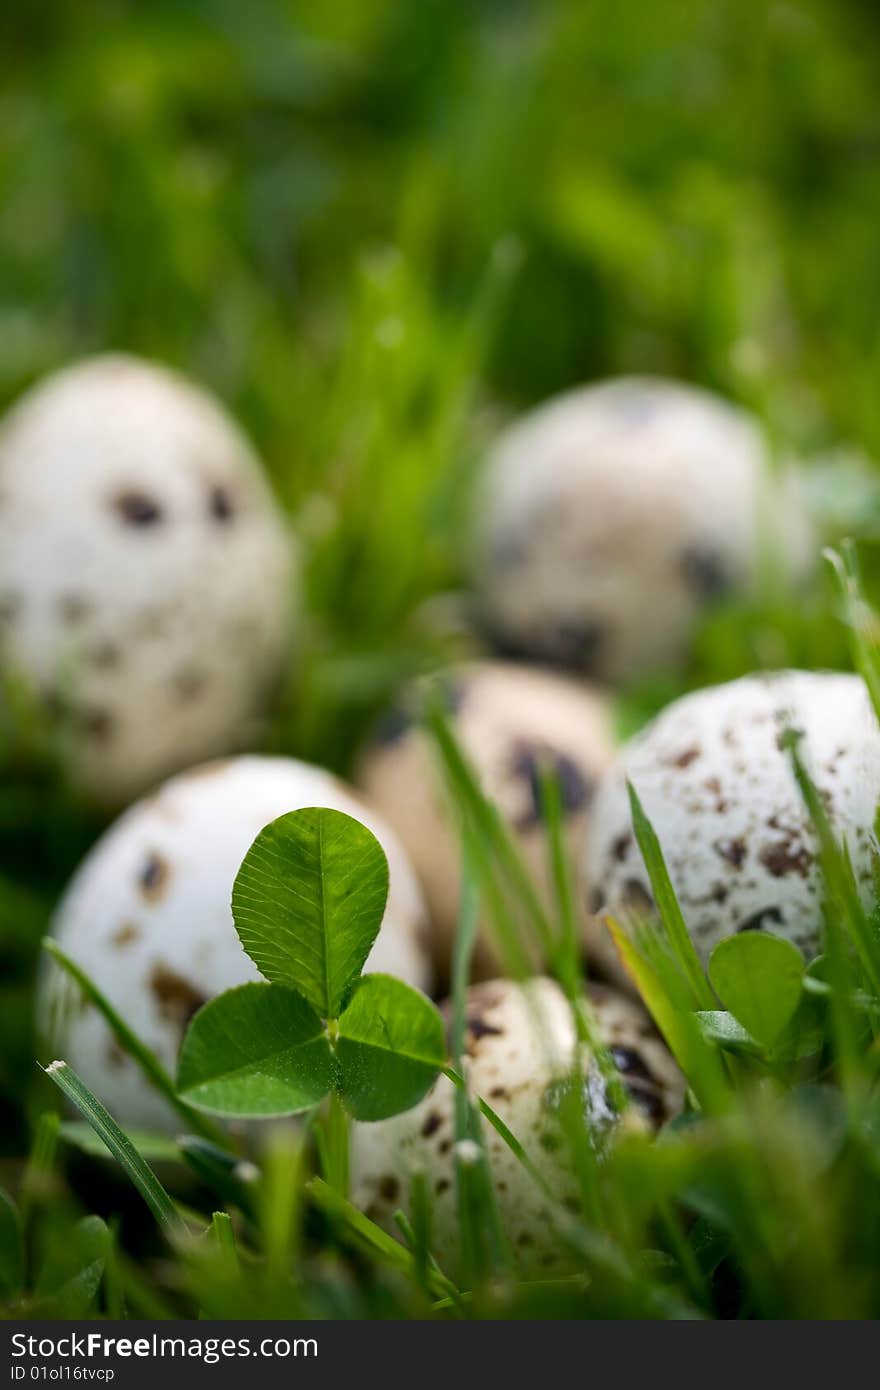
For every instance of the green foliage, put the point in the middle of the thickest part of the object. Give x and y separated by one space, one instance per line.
375 230
720 1027
127 1039
71 1273
259 1049
232 1179
308 903
859 618
759 978
653 968
11 1249
117 1141
389 1047
155 1148
677 934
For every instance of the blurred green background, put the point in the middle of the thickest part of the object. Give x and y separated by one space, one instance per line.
694 184
376 228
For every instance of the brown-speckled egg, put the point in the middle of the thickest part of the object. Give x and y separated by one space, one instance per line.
145 572
721 795
510 721
521 1045
148 917
613 516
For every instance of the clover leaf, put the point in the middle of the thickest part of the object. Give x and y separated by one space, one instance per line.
308 904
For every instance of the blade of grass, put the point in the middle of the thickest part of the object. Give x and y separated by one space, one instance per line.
568 956
667 997
280 1202
417 1232
331 1131
142 1293
479 1222
114 1292
133 1165
37 1179
860 619
148 1062
371 1237
667 906
232 1179
224 1238
490 829
846 926
840 882
568 959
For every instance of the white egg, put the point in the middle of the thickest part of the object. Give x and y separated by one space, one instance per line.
521 1046
721 795
613 516
147 916
145 571
510 721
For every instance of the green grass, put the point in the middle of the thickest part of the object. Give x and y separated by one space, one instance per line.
376 229
760 1201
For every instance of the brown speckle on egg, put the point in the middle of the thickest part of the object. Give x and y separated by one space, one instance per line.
636 898
684 758
153 877
176 998
705 572
126 935
105 656
733 852
393 725
761 920
389 1188
478 1027
189 682
73 609
10 607
137 508
787 856
220 504
621 846
529 762
97 724
576 646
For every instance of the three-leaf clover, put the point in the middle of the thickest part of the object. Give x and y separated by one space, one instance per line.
308 903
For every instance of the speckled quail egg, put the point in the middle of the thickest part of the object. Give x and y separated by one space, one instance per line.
148 917
145 571
614 515
721 795
520 1050
510 720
